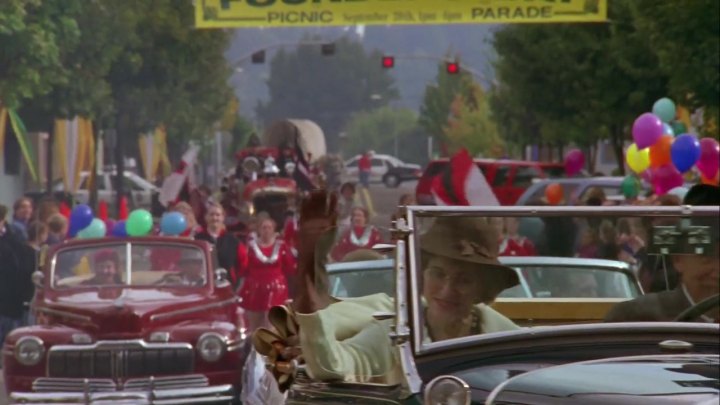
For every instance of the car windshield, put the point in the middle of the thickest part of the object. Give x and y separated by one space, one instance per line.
582 280
347 280
542 266
129 264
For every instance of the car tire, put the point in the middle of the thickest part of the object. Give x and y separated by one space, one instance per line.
391 181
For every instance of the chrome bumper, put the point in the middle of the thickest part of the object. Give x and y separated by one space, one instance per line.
201 395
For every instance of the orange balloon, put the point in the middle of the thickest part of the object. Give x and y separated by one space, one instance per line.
712 182
660 152
554 193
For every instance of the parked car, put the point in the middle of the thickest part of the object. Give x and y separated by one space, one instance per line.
135 320
575 189
385 169
508 178
540 277
518 366
141 191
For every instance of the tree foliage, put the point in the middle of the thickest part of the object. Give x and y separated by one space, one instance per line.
32 34
472 126
378 130
326 89
575 82
435 110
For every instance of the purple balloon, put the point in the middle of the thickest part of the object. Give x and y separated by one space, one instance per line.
109 226
709 161
80 217
119 229
646 130
666 178
684 152
574 162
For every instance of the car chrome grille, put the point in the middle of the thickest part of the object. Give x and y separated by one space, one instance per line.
45 384
120 360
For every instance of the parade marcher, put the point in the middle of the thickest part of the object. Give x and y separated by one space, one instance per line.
57 229
347 201
699 276
16 287
267 262
361 235
461 275
22 214
514 244
228 247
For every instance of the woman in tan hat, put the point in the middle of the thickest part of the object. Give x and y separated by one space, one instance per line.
342 340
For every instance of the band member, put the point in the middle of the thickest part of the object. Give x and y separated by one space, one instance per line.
229 249
267 264
361 235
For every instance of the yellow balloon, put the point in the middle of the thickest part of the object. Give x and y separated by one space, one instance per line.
638 160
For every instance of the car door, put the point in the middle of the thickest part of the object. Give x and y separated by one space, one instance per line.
378 168
501 183
522 178
351 169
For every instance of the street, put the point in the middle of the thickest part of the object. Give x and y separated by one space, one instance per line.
384 199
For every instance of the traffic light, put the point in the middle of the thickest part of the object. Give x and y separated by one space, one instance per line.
388 62
258 57
327 49
452 68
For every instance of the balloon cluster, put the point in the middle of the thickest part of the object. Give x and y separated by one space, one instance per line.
663 151
84 225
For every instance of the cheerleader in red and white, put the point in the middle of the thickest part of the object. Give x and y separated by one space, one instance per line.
514 244
264 277
361 235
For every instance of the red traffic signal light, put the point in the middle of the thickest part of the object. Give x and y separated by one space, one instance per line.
452 68
388 62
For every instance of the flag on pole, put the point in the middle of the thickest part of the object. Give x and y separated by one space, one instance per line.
182 177
462 183
25 146
301 175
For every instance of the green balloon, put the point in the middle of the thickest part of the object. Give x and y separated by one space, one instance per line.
678 127
96 229
139 223
665 109
630 187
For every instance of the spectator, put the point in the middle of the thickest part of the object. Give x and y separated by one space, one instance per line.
47 207
57 229
589 242
228 247
346 202
37 235
15 281
405 200
608 248
22 213
364 168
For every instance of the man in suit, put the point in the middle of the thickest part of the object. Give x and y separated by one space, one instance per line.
699 276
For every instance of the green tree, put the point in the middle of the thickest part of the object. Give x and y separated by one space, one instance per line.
684 35
577 82
380 130
326 89
438 99
32 33
472 126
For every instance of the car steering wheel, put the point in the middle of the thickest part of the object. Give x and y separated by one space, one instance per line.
699 309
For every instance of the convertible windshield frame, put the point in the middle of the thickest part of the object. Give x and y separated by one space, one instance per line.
416 213
127 247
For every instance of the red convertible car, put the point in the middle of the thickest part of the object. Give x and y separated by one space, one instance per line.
135 320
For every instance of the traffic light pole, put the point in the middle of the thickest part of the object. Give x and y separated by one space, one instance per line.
237 63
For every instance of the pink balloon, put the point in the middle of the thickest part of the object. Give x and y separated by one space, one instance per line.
574 162
666 178
646 130
709 161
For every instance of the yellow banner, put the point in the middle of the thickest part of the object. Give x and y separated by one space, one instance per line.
304 13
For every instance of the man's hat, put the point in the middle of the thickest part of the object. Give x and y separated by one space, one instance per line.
472 240
702 194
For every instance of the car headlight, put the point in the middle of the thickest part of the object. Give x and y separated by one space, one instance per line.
447 390
29 350
211 347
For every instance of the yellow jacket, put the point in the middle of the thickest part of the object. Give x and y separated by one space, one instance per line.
344 341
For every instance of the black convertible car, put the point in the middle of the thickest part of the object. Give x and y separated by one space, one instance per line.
568 357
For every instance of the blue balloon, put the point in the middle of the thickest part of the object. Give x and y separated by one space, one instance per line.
119 229
80 218
685 152
173 224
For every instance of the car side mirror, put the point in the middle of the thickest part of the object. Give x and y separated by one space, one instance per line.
38 278
221 277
